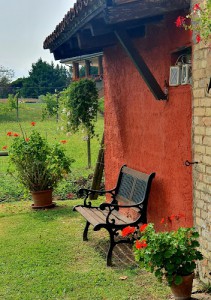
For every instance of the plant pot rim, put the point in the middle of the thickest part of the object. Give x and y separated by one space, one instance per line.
41 191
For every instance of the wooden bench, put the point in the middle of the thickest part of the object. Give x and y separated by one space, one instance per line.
131 192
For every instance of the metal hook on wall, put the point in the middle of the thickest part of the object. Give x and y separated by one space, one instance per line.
188 163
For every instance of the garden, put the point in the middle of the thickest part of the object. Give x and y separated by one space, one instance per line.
42 252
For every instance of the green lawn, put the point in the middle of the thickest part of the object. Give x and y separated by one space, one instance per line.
76 147
43 257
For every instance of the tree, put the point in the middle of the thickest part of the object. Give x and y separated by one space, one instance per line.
6 76
81 103
44 78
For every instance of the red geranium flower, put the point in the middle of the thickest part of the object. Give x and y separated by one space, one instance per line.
180 21
141 244
63 141
9 133
196 7
143 227
16 134
128 230
4 147
26 139
198 38
162 221
172 217
33 123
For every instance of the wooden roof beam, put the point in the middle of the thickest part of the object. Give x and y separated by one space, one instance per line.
142 9
140 64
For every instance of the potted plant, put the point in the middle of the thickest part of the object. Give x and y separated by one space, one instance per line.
38 166
169 254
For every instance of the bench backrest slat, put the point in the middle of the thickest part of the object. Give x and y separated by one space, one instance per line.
133 186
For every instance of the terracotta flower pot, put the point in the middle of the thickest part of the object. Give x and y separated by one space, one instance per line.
42 199
183 290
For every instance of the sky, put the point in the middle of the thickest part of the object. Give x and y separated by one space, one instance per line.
24 25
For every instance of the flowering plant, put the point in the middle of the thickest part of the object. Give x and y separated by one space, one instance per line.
169 253
199 21
38 165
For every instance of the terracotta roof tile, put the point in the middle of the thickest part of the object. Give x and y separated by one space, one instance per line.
68 18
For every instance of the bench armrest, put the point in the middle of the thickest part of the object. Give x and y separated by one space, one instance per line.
117 206
88 192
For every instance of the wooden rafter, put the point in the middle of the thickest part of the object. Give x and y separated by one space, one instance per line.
140 64
142 9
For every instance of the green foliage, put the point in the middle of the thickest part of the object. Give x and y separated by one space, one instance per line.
101 105
44 78
39 166
81 102
6 76
169 253
12 101
51 105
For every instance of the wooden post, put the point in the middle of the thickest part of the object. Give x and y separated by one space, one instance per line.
17 108
75 70
87 68
98 174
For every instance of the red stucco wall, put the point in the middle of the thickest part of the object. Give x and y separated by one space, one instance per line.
146 134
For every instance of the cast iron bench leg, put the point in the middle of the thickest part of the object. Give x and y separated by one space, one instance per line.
111 247
85 237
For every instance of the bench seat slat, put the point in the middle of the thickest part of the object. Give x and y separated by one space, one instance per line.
95 216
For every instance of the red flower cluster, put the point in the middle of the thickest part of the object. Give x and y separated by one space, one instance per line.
33 123
10 133
196 7
63 142
180 21
143 227
4 147
141 244
128 230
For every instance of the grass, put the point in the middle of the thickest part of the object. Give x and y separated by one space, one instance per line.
43 257
75 148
